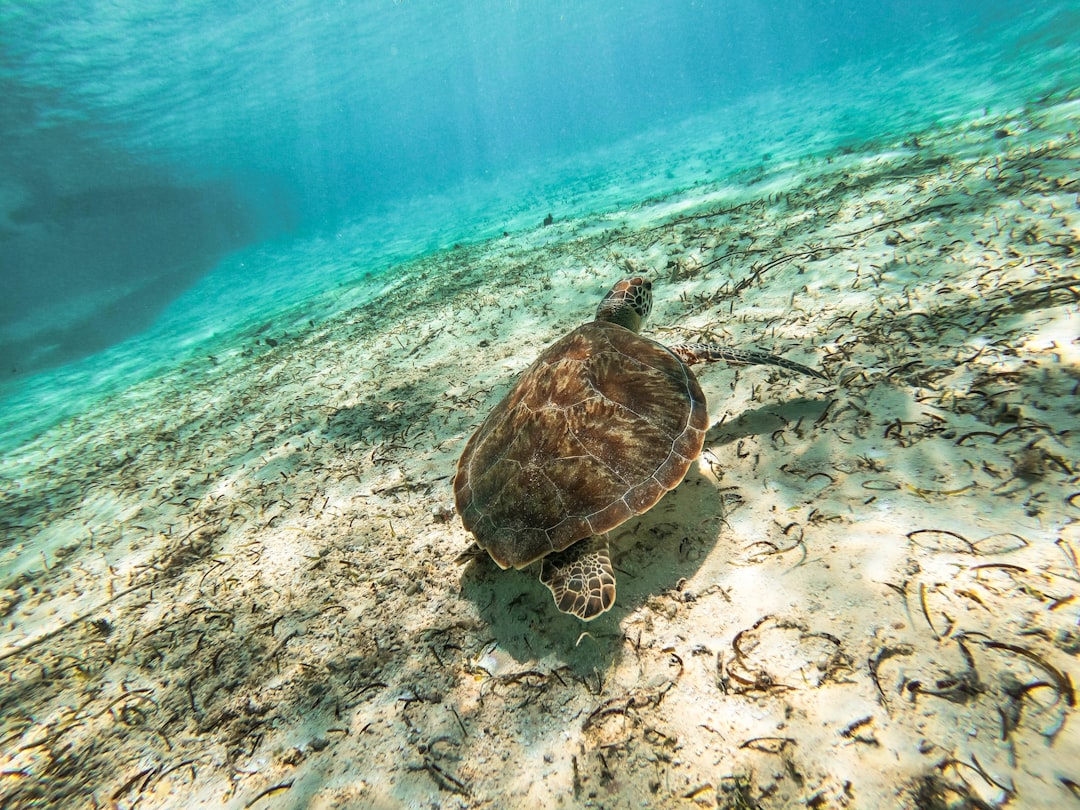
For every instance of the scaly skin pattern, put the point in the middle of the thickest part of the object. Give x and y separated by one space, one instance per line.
691 353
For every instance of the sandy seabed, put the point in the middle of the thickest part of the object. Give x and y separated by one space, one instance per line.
235 584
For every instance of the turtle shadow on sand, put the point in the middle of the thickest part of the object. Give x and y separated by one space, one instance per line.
766 419
655 553
601 427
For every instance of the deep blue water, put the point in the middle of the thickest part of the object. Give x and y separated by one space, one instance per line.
171 170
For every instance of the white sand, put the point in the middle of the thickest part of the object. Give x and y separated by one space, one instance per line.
234 585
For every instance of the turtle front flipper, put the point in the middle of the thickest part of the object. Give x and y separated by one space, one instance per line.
691 353
581 578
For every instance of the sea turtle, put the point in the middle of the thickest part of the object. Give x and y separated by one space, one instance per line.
595 431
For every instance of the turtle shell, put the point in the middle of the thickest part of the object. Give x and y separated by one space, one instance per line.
594 432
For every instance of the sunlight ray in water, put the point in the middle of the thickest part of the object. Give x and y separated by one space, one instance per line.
270 272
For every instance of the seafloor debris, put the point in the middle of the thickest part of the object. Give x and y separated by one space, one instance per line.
234 582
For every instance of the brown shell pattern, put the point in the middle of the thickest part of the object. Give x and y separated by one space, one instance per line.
594 432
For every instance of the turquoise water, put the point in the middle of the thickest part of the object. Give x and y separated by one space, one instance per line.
267 267
173 174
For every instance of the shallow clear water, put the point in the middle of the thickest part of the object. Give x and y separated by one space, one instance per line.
172 173
267 268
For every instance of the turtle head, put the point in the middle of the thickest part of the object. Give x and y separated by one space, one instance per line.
628 303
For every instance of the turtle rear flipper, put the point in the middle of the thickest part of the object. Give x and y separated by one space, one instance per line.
691 353
581 578
473 552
